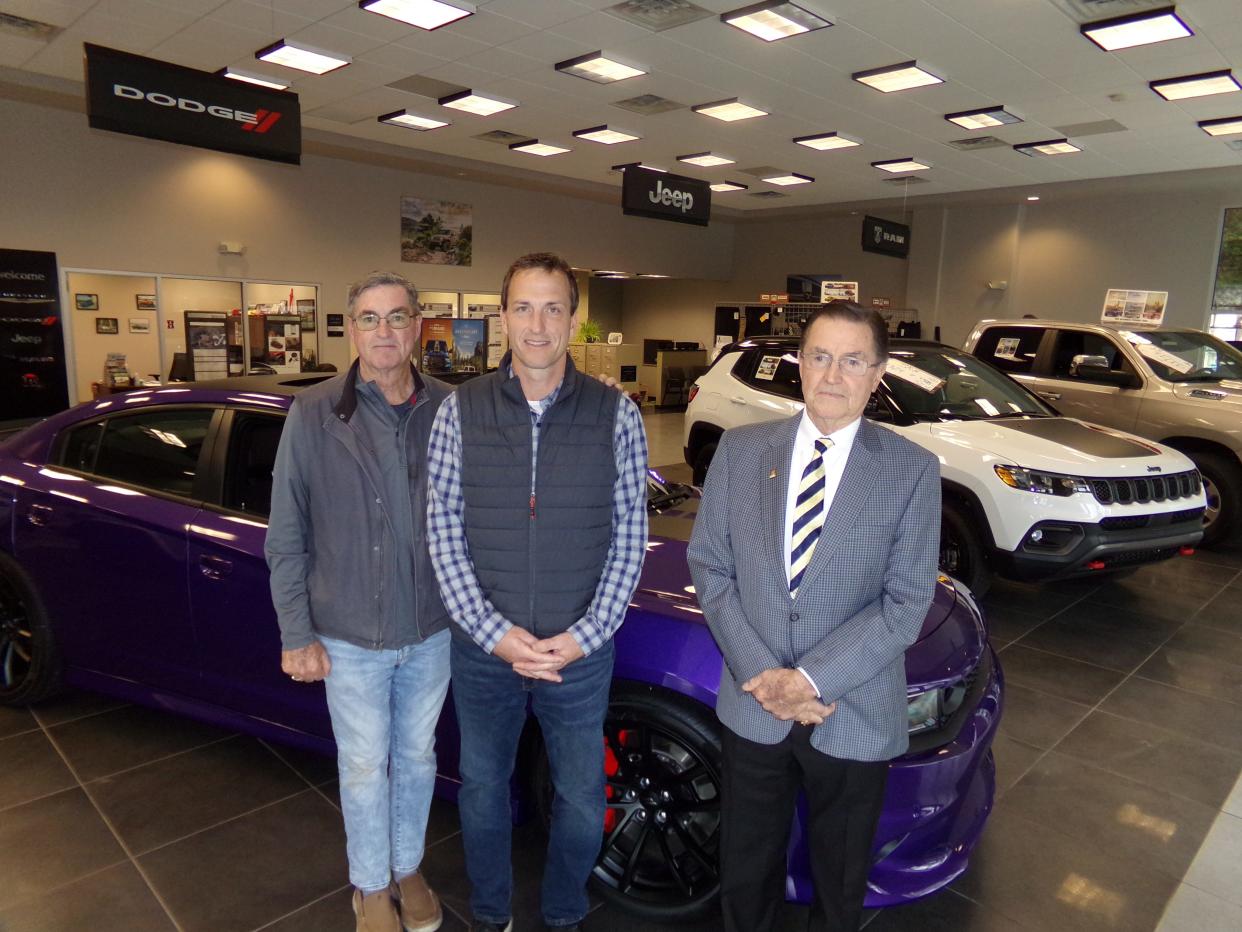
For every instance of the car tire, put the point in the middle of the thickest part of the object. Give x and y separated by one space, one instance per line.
658 859
701 463
29 658
1222 483
962 555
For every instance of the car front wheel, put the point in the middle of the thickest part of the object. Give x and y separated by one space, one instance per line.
29 660
659 856
702 462
961 551
1222 486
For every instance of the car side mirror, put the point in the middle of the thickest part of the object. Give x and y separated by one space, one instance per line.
1096 369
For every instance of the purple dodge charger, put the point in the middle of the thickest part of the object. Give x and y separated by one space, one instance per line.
131 563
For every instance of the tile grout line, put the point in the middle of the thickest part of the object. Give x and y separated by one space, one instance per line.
115 834
294 912
316 787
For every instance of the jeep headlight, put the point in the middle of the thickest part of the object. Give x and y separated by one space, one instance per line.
1045 483
923 711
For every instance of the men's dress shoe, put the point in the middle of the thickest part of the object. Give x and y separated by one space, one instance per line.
376 912
420 907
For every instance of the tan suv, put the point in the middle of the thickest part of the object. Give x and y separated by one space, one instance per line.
1180 387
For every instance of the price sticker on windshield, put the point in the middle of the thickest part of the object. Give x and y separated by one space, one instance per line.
914 375
1164 357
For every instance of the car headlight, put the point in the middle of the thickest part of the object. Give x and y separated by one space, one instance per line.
1045 483
923 711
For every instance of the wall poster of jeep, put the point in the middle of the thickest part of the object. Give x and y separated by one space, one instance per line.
436 232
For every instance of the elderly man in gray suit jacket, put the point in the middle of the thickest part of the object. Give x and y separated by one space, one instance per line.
814 559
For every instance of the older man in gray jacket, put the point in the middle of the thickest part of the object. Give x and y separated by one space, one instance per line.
356 597
814 559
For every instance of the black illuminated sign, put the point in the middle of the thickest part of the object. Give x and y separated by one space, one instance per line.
661 196
885 236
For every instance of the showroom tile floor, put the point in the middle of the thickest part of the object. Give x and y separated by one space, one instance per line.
1119 800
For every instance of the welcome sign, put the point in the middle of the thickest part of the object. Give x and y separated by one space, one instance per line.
661 196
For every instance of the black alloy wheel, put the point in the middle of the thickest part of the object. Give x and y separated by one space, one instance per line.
1222 487
702 462
659 858
961 551
29 662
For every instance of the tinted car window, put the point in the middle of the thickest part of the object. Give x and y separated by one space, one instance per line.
1187 356
252 455
157 450
1071 343
936 382
1010 349
771 370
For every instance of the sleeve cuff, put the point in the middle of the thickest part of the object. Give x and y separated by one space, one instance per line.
818 694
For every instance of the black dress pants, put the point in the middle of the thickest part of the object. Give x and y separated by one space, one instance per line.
760 790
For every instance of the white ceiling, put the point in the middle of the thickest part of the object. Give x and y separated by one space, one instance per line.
1026 55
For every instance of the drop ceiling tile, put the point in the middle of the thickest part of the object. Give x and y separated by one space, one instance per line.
444 43
373 25
541 14
270 20
145 15
332 39
402 59
503 63
210 44
56 12
546 46
15 51
486 26
597 29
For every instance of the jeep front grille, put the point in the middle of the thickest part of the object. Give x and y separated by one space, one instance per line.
1147 489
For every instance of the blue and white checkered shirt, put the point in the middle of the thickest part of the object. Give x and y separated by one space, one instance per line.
450 554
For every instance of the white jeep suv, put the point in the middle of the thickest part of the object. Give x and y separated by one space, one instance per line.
1027 494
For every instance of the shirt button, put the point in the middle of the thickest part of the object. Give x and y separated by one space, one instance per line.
793 616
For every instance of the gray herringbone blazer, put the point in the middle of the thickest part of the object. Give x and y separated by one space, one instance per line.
862 600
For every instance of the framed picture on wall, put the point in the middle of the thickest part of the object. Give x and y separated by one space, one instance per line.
86 302
140 325
145 302
106 325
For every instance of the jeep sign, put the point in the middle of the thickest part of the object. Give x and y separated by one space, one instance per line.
885 236
660 196
145 97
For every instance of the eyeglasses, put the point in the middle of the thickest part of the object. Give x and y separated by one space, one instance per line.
849 365
369 320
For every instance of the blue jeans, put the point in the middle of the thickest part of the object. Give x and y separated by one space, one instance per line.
491 709
384 706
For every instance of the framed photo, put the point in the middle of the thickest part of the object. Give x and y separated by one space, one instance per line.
106 325
145 302
86 302
140 325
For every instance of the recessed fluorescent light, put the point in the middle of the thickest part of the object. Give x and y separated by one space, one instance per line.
729 110
825 141
477 103
411 120
651 168
705 159
425 14
303 57
251 78
788 178
774 20
724 187
535 147
1226 127
1032 197
901 165
900 77
1196 85
1048 147
607 135
1123 32
598 67
982 118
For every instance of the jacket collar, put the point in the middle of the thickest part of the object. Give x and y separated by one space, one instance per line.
347 404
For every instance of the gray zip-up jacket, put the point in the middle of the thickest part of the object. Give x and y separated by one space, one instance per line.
330 523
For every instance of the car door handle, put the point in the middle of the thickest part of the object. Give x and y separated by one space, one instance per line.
738 400
38 515
1049 396
214 567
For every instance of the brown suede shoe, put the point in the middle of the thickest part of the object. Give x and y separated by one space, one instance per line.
420 907
376 912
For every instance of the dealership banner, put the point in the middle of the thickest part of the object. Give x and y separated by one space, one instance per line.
145 97
661 196
32 340
885 236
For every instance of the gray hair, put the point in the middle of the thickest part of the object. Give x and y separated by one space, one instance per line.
379 279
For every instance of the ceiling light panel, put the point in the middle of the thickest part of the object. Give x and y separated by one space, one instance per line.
901 165
411 120
774 20
705 159
1196 85
901 77
1048 147
599 67
478 103
535 147
982 118
789 178
730 111
1125 32
724 187
249 77
302 57
1226 127
605 135
825 141
425 14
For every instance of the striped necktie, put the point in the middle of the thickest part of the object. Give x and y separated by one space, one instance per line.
808 516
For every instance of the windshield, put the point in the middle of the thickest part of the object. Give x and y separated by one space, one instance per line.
936 382
1186 356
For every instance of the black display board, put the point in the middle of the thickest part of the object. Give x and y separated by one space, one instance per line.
32 338
661 196
145 97
885 236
